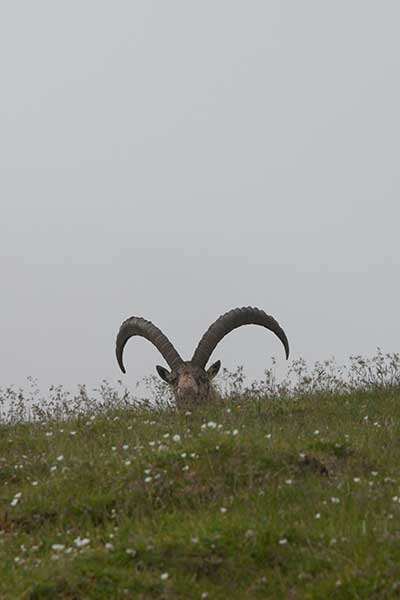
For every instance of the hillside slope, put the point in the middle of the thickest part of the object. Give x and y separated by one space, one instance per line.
295 498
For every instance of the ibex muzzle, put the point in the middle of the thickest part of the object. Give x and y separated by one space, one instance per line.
190 381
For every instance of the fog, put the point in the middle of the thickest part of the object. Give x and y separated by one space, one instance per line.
173 160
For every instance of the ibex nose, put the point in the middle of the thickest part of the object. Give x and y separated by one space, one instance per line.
188 383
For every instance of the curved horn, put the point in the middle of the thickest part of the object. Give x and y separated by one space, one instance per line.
229 321
146 329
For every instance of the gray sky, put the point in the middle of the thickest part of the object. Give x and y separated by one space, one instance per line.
175 159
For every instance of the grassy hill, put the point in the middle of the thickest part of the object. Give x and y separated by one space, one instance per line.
292 495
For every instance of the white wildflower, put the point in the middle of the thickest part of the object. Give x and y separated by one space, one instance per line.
81 542
250 533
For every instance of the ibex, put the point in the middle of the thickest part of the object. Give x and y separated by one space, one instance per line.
190 381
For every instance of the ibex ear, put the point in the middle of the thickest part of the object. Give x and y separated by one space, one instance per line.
164 373
213 370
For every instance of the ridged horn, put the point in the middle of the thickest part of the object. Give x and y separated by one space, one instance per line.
146 329
229 321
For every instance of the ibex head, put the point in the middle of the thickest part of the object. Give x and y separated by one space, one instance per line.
190 381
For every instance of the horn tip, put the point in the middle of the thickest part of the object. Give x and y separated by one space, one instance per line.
286 346
120 362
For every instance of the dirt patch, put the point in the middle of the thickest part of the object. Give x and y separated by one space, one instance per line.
308 462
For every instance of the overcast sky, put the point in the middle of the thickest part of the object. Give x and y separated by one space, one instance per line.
173 160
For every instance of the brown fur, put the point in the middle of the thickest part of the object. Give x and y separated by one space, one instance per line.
190 384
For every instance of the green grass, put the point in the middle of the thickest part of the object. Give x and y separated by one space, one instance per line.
281 499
